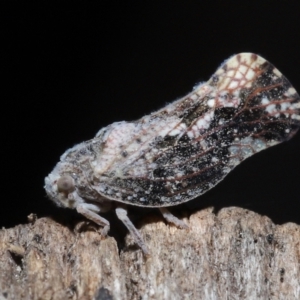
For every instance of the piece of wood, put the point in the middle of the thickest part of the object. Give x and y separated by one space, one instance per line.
236 254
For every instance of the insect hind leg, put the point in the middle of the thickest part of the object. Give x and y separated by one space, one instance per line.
170 218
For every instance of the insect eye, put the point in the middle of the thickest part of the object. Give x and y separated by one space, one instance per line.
65 184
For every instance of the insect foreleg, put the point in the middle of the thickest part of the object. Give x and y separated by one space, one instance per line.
90 211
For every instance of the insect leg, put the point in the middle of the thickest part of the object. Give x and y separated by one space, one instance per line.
122 215
90 212
170 218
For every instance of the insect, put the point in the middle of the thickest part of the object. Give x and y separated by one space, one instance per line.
181 151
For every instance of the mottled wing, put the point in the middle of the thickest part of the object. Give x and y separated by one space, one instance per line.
186 148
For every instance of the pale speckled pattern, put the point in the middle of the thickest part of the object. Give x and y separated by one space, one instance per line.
181 151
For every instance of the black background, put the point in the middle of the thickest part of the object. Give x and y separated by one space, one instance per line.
71 69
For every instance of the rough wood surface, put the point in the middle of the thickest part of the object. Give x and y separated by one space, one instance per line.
236 254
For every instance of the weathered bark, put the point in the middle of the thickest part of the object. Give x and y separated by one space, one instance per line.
236 254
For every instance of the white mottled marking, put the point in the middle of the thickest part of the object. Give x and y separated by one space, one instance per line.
296 105
233 85
295 117
230 73
194 97
178 130
243 69
190 134
271 108
211 102
238 75
233 63
250 74
277 72
203 90
285 106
